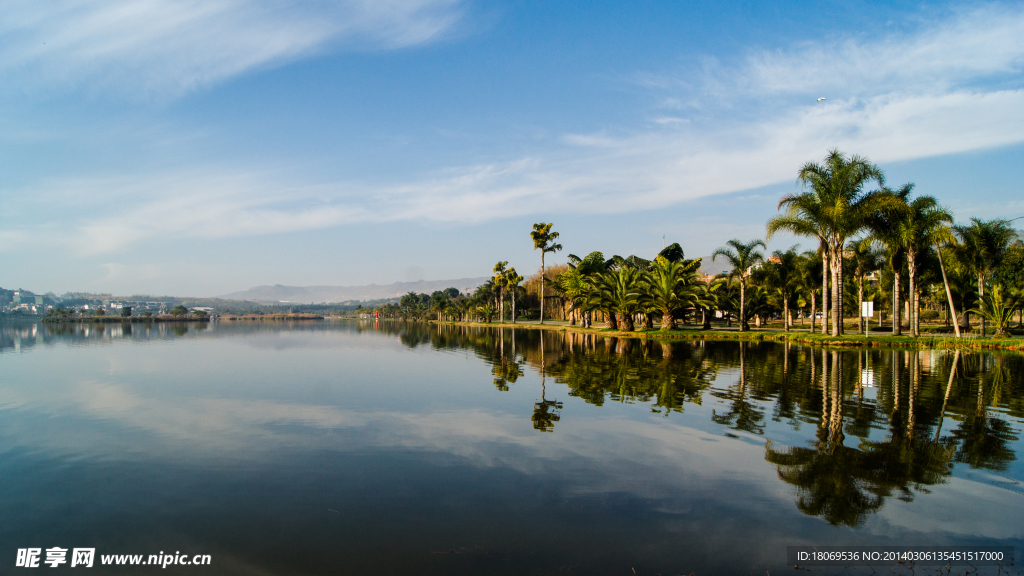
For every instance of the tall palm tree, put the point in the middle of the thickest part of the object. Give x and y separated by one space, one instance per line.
983 245
833 207
742 256
500 281
867 258
806 215
925 225
544 240
886 228
513 283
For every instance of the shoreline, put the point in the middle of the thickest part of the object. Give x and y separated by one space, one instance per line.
855 340
121 319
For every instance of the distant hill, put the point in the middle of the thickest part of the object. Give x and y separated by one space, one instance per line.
307 294
709 267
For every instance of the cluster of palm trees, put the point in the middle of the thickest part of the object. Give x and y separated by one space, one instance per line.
892 230
625 291
891 247
874 243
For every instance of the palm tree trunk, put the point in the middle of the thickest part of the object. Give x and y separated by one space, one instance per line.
513 306
541 285
609 320
837 291
860 303
785 310
824 290
897 315
743 305
626 323
912 292
981 299
949 294
668 321
648 321
814 308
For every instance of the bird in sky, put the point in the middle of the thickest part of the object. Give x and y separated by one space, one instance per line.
820 99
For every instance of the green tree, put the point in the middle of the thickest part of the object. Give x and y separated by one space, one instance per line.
621 291
782 274
671 286
500 280
544 240
741 257
885 228
833 207
998 307
179 310
865 258
513 283
927 224
983 246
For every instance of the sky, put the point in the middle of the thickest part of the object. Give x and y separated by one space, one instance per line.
198 148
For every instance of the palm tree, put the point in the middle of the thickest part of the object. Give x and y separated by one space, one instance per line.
925 225
579 283
886 229
621 291
866 259
671 285
810 280
999 307
500 281
832 208
782 273
983 245
806 216
741 257
513 283
544 240
707 295
486 312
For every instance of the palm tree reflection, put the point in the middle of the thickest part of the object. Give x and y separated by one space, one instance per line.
875 422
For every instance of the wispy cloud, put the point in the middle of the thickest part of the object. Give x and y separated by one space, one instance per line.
166 46
952 86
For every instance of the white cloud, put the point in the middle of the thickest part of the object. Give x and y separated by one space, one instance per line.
950 87
166 46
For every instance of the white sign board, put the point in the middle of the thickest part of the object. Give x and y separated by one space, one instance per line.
867 309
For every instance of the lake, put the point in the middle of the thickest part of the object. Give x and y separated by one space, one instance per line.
344 447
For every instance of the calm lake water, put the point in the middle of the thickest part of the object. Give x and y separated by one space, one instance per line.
348 447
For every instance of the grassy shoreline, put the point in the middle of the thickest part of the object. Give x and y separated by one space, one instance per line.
798 337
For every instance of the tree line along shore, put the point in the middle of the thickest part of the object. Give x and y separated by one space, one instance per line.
923 274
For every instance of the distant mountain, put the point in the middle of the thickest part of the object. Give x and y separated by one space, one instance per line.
318 294
709 267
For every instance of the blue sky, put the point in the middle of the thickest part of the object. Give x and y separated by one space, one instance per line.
199 148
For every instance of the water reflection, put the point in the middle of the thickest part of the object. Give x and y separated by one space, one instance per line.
625 451
872 420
